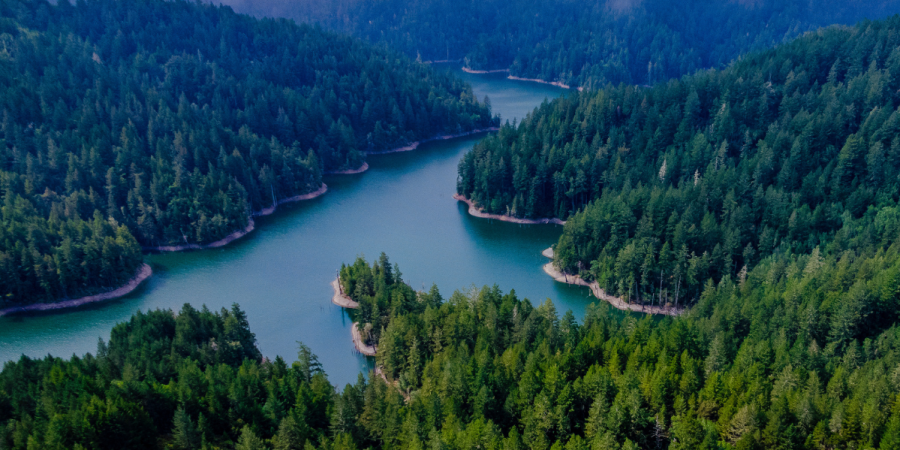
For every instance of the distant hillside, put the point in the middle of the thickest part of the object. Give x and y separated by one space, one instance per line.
578 43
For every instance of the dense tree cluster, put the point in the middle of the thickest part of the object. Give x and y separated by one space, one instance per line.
579 43
381 293
789 150
176 120
801 353
188 381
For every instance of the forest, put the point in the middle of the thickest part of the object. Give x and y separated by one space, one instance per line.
791 151
381 293
578 43
802 353
119 132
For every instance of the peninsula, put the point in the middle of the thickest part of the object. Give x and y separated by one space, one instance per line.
617 302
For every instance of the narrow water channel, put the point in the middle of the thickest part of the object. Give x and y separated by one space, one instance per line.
280 273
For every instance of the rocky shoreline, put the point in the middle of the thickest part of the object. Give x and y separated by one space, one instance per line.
477 212
414 145
341 299
142 274
468 70
344 301
559 84
364 167
242 232
616 302
552 83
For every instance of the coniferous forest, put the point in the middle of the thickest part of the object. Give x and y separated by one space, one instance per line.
147 123
770 361
789 153
578 43
761 194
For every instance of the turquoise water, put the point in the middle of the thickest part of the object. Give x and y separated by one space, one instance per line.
280 274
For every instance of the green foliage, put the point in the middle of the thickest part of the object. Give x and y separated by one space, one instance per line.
190 380
579 43
776 361
176 120
790 150
381 294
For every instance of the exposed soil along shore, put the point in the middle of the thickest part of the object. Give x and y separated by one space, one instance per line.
221 242
468 70
416 144
239 233
267 211
344 301
339 298
552 83
143 273
474 211
364 167
548 253
513 77
362 347
616 302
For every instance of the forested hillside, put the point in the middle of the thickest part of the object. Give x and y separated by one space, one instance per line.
579 43
148 123
790 151
802 353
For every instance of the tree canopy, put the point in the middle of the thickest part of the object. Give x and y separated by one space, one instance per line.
792 150
149 122
802 353
579 43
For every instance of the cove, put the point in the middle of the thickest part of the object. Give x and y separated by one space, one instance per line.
281 273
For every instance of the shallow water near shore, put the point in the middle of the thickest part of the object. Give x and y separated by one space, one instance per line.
280 274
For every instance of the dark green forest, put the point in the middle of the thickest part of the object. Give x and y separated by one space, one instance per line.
789 151
146 123
381 293
763 194
579 43
802 353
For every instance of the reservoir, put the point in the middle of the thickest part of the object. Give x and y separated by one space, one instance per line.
280 274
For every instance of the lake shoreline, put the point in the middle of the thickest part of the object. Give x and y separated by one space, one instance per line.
483 72
598 292
341 299
477 212
558 84
235 235
368 350
142 274
145 271
415 145
344 301
364 167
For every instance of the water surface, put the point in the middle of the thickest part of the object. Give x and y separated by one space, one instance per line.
280 274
